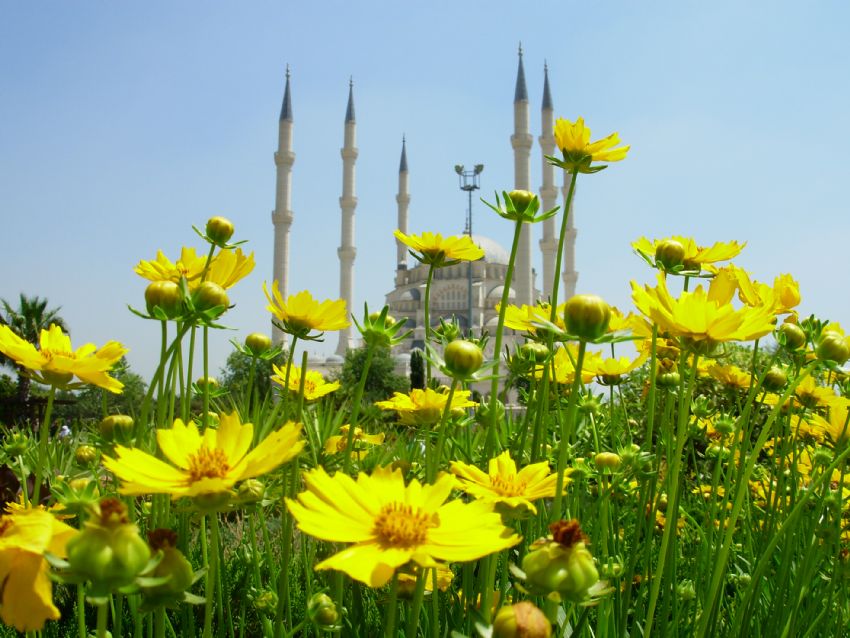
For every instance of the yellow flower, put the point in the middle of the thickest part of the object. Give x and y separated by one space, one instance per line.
392 524
211 463
574 141
26 593
503 484
609 370
701 316
56 363
781 298
731 375
564 364
228 267
529 318
339 442
190 265
425 407
434 249
444 577
301 313
695 256
315 386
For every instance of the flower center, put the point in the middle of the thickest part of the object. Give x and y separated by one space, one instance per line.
403 525
507 485
207 463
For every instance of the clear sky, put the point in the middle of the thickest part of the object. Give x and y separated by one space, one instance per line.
122 124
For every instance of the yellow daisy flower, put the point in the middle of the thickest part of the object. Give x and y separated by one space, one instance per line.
228 267
505 485
573 138
26 595
436 250
391 524
407 581
781 298
208 463
528 318
425 407
190 265
695 255
315 386
610 369
337 443
702 316
56 363
730 375
563 362
299 314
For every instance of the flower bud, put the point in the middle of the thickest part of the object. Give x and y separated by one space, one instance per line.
251 491
322 610
210 295
668 379
833 347
484 416
535 351
173 564
258 343
219 230
85 455
562 564
522 620
791 336
587 316
165 295
204 383
521 200
265 602
108 552
686 591
725 424
775 379
463 358
607 460
669 253
116 426
16 444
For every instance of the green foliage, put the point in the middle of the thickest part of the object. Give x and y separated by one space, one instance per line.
381 381
417 370
87 404
237 370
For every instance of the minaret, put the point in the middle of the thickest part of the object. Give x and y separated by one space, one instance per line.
570 275
284 158
521 142
347 204
548 192
403 200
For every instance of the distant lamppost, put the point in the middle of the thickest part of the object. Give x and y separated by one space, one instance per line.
469 182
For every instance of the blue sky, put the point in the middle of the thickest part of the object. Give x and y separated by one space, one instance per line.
124 124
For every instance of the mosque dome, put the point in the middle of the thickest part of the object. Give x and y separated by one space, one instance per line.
494 252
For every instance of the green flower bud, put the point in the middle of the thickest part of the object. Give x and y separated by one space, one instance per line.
833 347
668 379
108 552
607 460
587 316
561 564
463 358
16 444
686 590
85 455
219 230
521 200
118 426
210 295
165 295
322 610
669 253
251 491
725 424
173 564
522 620
265 602
791 336
775 379
484 417
258 343
207 382
535 351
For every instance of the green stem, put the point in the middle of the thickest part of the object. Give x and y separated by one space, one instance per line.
290 355
43 452
206 417
497 346
416 605
392 609
441 435
567 431
102 620
355 407
81 612
561 237
24 491
428 320
250 390
212 577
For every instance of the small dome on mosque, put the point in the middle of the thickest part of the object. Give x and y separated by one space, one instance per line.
494 252
496 293
409 295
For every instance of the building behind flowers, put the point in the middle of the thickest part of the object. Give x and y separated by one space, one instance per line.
450 290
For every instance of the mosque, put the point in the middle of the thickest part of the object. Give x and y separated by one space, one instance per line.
450 288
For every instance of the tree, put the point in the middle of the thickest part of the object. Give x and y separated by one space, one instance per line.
27 321
87 404
381 381
237 370
417 370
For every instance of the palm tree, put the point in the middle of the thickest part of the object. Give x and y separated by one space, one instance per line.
27 321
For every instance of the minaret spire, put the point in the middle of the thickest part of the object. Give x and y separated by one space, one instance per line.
347 203
548 191
403 200
282 215
521 141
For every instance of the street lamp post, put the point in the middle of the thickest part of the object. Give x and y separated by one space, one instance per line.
469 181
